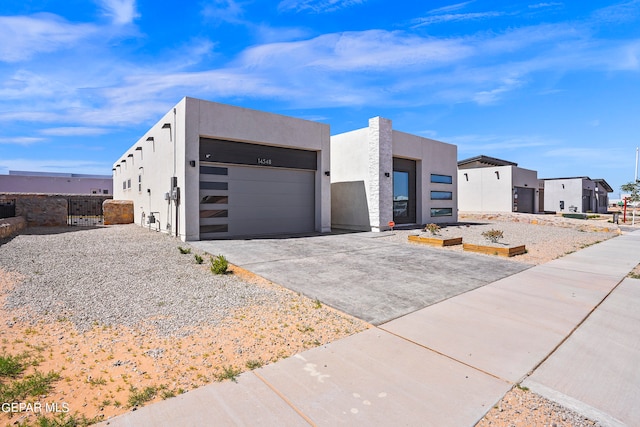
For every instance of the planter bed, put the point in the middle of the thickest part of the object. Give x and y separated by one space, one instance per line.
436 241
506 251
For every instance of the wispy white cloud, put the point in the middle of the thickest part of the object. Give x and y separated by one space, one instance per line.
317 6
618 13
455 17
450 8
590 159
223 11
121 12
74 131
357 51
488 144
487 97
34 34
545 5
21 140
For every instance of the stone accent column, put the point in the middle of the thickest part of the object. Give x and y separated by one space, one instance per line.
380 162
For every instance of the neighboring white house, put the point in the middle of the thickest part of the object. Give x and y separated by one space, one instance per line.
380 175
577 194
55 183
207 170
487 184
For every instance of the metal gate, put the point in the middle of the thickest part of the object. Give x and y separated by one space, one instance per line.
7 208
85 211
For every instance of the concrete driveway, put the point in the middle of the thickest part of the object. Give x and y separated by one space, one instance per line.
364 274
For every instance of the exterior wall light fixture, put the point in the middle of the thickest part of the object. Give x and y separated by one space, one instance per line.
327 173
192 163
387 174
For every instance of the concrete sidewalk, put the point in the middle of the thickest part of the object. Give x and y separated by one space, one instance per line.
449 363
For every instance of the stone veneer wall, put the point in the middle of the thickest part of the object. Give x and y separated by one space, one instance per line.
380 140
40 209
117 212
43 209
11 226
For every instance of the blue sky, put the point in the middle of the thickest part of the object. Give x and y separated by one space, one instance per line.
551 85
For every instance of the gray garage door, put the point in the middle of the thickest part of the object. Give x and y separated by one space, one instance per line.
245 200
525 200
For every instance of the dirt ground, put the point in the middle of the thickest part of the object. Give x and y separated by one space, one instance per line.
98 368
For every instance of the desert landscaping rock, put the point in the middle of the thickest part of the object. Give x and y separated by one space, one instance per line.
119 276
521 407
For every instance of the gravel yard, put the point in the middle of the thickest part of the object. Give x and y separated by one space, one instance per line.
120 276
543 242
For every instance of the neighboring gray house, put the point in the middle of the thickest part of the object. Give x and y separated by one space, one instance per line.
577 194
55 183
487 184
380 175
208 170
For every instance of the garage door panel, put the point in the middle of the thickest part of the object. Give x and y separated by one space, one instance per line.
259 200
267 226
304 180
269 212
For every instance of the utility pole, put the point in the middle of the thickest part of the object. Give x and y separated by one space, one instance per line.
636 177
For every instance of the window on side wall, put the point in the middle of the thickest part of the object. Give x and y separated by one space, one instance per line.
435 212
441 195
441 179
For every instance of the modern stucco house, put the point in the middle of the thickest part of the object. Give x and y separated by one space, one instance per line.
208 170
488 184
55 183
576 194
379 175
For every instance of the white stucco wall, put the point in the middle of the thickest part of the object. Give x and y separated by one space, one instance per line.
366 155
567 190
154 163
350 183
490 189
486 189
571 191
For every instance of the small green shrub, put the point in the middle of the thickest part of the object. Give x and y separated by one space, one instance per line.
35 384
317 304
253 364
66 420
434 229
139 398
167 394
229 373
10 366
219 265
198 259
184 250
493 235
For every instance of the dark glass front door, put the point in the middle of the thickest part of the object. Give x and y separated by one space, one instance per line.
404 191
